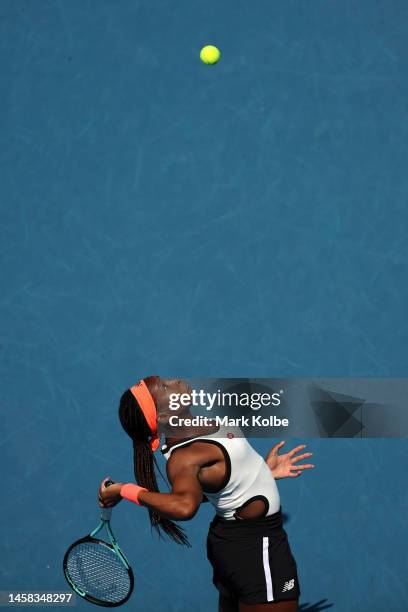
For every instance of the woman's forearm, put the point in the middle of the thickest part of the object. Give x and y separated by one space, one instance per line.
175 506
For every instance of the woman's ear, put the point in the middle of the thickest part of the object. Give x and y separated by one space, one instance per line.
162 417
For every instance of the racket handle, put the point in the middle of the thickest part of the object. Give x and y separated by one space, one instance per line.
106 514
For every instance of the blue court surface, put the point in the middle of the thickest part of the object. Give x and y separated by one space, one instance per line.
160 216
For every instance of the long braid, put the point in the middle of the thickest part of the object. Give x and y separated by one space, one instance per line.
144 462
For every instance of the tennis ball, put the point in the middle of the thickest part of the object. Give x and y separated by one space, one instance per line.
210 54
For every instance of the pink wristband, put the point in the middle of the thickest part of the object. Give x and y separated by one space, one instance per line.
131 492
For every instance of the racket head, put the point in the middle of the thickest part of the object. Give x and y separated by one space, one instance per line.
96 573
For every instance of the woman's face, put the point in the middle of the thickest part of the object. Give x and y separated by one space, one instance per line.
161 389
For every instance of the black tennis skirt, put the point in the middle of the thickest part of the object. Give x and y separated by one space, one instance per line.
251 559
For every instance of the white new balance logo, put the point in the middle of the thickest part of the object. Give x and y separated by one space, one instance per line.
288 586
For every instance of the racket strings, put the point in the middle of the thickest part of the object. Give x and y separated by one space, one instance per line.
96 569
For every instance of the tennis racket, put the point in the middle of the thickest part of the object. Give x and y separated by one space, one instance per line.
98 571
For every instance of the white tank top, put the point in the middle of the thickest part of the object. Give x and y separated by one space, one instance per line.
248 475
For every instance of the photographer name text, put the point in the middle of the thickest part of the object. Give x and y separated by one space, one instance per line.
225 421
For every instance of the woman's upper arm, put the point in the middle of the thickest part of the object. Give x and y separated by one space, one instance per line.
183 470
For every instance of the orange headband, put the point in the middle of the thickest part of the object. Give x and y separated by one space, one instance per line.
148 407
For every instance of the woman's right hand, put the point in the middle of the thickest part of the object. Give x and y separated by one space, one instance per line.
109 496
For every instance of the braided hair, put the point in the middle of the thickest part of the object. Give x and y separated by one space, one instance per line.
134 423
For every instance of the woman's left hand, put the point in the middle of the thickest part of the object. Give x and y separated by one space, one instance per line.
286 466
109 496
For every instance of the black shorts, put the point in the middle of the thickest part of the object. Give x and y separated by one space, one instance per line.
252 560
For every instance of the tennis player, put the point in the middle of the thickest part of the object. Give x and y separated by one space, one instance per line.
253 567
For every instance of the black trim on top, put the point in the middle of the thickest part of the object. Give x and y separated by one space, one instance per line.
169 447
249 501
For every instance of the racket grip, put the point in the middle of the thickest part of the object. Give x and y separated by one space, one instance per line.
106 514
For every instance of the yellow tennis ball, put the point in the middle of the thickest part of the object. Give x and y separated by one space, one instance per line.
210 54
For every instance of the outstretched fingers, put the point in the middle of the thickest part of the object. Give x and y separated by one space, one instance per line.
274 450
300 457
296 471
296 450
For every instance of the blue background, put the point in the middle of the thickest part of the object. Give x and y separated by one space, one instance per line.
162 216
